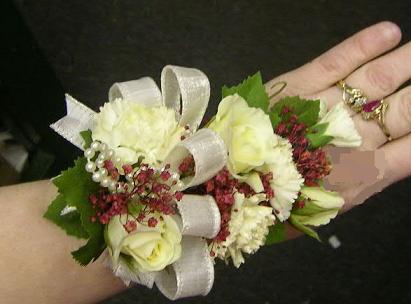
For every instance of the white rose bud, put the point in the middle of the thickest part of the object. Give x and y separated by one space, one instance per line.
147 248
247 133
322 206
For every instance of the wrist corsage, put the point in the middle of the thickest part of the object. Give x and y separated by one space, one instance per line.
162 198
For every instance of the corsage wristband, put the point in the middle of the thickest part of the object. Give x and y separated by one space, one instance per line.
163 199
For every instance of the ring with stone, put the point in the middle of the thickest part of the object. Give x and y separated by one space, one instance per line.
353 97
376 110
359 103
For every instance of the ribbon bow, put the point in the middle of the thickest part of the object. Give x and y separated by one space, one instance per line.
187 92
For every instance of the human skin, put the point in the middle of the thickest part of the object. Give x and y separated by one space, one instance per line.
35 263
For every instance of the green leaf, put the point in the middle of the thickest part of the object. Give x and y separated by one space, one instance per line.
318 128
91 251
69 222
76 185
316 137
134 208
252 90
295 221
318 141
309 209
275 119
306 110
86 135
276 234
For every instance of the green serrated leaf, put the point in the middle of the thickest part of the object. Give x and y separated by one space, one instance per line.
306 110
76 185
309 116
86 135
275 119
318 128
276 234
252 90
316 137
90 251
69 222
295 221
318 140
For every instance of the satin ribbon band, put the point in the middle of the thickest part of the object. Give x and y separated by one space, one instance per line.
79 117
143 90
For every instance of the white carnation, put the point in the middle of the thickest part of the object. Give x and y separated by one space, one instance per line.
286 182
248 227
341 127
133 130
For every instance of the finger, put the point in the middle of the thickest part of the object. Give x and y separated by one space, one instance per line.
397 121
369 167
378 78
341 60
398 158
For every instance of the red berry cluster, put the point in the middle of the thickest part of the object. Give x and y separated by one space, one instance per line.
222 187
108 205
154 190
187 166
312 164
146 186
111 169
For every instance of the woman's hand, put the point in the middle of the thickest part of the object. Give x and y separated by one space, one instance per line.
366 61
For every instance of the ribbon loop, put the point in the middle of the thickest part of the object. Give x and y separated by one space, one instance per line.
194 88
143 90
191 275
200 215
127 275
209 153
79 118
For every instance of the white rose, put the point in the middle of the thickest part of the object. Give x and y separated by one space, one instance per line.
247 133
248 227
147 248
133 130
341 127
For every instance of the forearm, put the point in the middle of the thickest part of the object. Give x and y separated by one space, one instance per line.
35 261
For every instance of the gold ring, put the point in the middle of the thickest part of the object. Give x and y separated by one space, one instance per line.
359 103
376 110
355 98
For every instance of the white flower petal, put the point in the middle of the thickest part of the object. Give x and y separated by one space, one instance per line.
341 127
150 248
248 227
286 182
323 198
322 218
247 133
133 130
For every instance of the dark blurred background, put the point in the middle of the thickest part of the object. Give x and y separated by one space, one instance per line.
82 47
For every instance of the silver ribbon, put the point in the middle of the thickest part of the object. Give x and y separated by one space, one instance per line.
194 88
143 90
79 118
190 275
209 153
187 91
